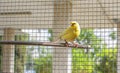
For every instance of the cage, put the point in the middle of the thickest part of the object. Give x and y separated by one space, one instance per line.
26 25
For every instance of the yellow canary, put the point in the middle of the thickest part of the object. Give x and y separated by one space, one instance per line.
71 33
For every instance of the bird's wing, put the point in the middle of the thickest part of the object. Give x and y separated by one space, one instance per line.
65 32
68 37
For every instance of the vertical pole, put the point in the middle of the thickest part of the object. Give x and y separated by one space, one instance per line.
8 52
62 16
118 43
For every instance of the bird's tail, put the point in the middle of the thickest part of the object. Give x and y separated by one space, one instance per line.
55 41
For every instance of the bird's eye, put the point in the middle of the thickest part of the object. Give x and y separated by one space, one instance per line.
73 24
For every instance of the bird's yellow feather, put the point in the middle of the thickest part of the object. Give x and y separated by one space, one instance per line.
71 33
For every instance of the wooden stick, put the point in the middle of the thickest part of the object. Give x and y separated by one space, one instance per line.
44 44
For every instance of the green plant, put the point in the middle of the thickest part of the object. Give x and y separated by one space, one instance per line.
43 64
99 59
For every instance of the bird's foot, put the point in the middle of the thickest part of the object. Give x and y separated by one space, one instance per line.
67 44
75 45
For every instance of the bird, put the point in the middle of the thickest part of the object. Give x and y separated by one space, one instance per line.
70 33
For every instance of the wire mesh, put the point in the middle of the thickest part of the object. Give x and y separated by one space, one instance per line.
44 20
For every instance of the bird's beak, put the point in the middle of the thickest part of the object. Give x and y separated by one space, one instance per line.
72 24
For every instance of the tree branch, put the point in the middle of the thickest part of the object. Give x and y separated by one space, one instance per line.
43 44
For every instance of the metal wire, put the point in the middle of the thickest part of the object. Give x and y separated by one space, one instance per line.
44 20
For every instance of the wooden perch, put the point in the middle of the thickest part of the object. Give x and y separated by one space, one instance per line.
44 44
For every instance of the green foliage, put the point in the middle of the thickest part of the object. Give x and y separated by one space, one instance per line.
51 33
100 59
82 62
88 37
106 61
113 35
43 64
29 59
20 52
